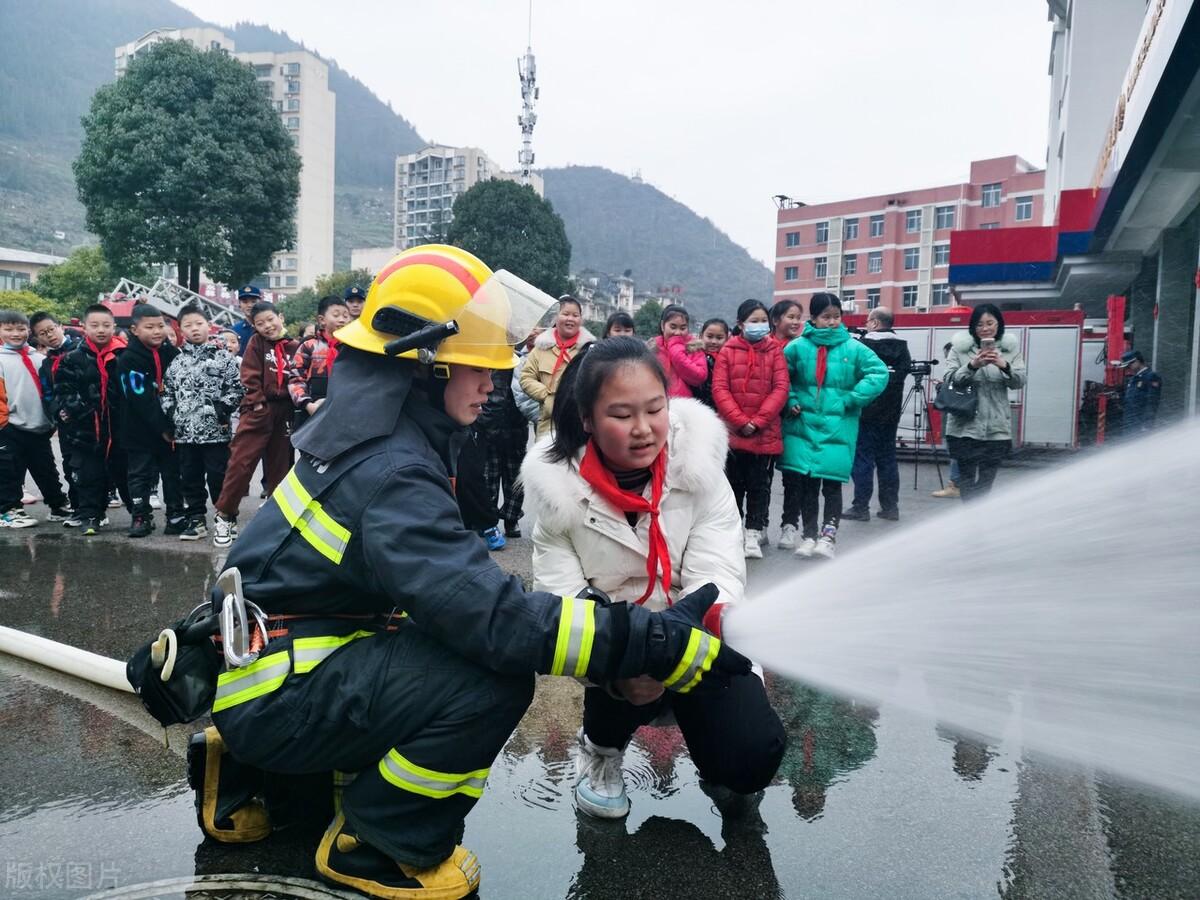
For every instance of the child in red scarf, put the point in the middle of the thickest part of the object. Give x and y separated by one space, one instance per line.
629 497
312 364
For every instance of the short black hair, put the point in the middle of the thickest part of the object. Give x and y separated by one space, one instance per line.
986 309
567 298
748 306
671 311
781 309
821 301
194 309
259 308
714 321
329 301
13 317
39 317
144 311
97 308
581 383
623 319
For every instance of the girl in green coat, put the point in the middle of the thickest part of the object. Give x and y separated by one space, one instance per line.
832 379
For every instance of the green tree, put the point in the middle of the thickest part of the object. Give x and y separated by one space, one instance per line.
184 161
79 281
509 226
301 306
336 283
645 320
28 302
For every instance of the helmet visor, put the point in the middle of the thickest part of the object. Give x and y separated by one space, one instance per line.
502 312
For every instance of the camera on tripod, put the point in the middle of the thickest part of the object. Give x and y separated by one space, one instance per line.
919 368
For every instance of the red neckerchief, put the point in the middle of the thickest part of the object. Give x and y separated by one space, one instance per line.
332 354
24 351
596 474
563 347
822 362
280 365
158 379
103 356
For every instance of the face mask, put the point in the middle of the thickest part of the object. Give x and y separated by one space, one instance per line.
756 331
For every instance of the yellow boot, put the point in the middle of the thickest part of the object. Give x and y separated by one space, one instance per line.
343 859
226 807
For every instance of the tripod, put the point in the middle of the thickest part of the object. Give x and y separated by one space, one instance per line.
922 423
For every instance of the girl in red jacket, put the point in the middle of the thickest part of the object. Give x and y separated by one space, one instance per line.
750 389
686 367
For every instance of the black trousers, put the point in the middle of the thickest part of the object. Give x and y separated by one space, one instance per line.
201 464
504 451
475 504
734 737
93 469
811 492
145 469
22 451
978 462
377 709
750 476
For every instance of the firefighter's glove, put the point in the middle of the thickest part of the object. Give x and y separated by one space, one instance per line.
685 657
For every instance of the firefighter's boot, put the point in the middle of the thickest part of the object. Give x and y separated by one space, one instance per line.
226 806
343 859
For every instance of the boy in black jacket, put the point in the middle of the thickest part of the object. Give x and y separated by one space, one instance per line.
145 430
84 406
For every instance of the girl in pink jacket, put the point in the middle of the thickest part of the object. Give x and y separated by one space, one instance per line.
686 365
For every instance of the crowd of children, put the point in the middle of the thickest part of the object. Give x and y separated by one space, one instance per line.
173 413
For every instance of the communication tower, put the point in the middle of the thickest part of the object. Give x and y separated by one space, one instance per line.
527 70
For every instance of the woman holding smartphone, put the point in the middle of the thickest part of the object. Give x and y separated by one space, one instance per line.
991 360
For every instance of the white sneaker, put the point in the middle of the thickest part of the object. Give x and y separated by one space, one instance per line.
787 538
806 548
155 503
17 518
599 787
752 544
826 548
224 531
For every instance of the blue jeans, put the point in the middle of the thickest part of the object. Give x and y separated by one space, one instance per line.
876 451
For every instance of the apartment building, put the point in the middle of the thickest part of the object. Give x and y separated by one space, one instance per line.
430 180
297 84
894 249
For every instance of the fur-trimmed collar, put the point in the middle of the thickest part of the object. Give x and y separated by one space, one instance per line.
962 342
545 340
697 445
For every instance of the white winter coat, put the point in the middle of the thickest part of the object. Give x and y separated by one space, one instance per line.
580 539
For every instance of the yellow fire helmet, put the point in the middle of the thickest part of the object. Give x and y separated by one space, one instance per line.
437 303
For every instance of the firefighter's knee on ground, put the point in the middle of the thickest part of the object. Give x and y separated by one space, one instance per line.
227 804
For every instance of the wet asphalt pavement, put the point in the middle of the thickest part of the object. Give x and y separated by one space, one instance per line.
868 802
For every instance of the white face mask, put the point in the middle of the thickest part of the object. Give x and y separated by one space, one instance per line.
756 331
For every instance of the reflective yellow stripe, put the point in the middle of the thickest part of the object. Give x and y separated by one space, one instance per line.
685 661
309 652
408 776
576 633
260 677
308 517
702 649
714 647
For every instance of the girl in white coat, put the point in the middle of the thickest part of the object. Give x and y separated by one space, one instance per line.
629 497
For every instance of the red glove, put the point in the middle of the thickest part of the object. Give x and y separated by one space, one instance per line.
712 619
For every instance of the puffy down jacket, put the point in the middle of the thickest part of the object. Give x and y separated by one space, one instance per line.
750 385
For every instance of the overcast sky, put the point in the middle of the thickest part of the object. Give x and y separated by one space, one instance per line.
720 105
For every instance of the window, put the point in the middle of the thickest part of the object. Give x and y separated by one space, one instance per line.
875 262
267 88
274 281
912 258
912 221
293 122
293 104
872 298
264 71
991 195
791 239
13 281
909 297
850 231
791 273
988 226
941 254
941 295
278 104
944 217
850 264
876 226
295 140
820 267
822 232
293 87
290 263
291 69
1024 209
848 300
292 281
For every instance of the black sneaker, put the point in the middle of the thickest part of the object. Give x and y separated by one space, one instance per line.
512 529
60 514
892 515
92 526
177 525
195 530
141 526
854 514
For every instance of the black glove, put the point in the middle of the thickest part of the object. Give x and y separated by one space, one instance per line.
682 655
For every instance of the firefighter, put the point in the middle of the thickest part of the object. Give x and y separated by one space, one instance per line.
401 656
1143 389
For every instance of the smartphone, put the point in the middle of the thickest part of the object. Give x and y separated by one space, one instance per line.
988 344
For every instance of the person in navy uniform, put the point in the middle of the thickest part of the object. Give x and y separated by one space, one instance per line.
1143 389
355 297
248 295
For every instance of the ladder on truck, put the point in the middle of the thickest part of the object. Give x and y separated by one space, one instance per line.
170 298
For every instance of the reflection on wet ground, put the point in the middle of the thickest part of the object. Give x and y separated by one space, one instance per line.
868 802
